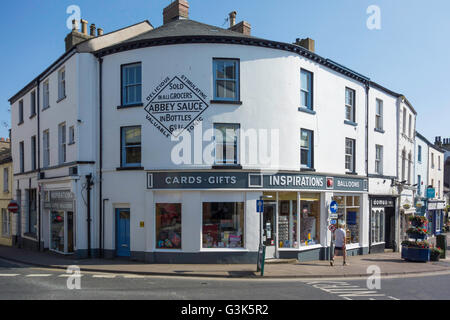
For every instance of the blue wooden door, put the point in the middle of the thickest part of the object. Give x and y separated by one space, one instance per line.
123 232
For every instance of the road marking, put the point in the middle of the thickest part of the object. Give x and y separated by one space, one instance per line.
70 275
37 275
9 274
110 276
131 276
345 290
393 298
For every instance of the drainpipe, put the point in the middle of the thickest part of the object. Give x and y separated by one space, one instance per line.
367 162
100 202
38 138
89 184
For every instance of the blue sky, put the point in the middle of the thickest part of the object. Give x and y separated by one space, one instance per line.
409 55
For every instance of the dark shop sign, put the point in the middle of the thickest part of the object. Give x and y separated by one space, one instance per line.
382 202
248 180
175 105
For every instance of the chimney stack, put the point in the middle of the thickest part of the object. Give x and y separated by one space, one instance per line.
179 9
75 37
99 32
308 44
93 30
242 27
232 18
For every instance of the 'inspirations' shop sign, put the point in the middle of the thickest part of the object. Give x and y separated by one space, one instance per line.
175 105
247 180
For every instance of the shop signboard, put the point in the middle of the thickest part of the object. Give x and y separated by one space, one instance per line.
436 205
431 193
249 180
59 200
382 202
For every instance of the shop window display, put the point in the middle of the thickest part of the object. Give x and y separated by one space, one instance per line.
57 231
223 225
309 219
377 226
348 216
287 220
168 225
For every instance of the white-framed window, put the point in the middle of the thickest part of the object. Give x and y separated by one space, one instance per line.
226 79
32 103
432 160
168 226
46 148
46 95
6 223
410 127
379 159
20 111
350 154
350 104
419 153
71 134
379 115
439 162
349 208
226 140
377 228
131 84
409 167
403 165
61 84
5 180
404 120
131 146
62 143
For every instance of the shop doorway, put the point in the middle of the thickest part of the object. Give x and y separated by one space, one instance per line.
269 229
61 232
123 232
389 227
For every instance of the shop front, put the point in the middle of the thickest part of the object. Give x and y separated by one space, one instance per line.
294 222
59 208
435 216
382 223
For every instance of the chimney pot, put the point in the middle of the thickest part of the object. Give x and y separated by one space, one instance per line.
179 9
84 24
232 16
99 32
93 30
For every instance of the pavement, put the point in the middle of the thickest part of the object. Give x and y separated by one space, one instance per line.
389 264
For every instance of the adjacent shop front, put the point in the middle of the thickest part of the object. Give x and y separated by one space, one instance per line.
435 216
294 219
59 208
382 223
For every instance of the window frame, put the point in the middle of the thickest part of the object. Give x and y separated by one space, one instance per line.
6 223
379 105
5 180
419 153
310 93
62 92
20 112
33 152
46 95
21 156
353 158
379 159
237 79
353 107
310 164
62 143
124 87
46 148
236 161
71 135
123 147
32 103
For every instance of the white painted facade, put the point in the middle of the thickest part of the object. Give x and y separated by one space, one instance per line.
436 171
421 166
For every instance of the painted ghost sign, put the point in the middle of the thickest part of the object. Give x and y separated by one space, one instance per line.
175 105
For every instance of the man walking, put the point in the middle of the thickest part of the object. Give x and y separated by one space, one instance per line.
339 248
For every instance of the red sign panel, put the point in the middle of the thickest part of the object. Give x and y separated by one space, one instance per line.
13 207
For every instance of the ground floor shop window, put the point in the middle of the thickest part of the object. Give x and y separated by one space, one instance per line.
223 225
287 220
6 223
168 225
309 219
348 216
377 227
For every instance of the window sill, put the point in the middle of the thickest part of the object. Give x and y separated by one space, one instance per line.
32 116
233 166
130 168
70 143
20 123
353 173
60 99
30 235
306 110
307 170
47 107
379 130
135 105
351 123
226 102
